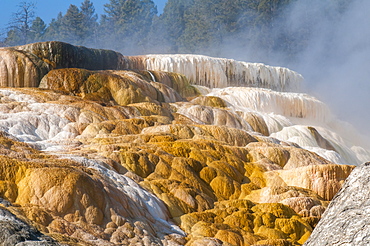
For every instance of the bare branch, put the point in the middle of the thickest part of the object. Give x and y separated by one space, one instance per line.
22 19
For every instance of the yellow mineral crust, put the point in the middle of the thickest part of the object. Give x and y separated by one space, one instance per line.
241 222
64 197
204 174
210 101
129 155
192 168
325 180
287 157
120 87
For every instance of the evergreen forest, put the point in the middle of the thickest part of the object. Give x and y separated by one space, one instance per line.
210 27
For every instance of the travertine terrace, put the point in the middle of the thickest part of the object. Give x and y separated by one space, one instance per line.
98 148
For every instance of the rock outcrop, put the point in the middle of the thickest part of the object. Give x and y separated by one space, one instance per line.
25 66
63 55
20 69
346 221
14 231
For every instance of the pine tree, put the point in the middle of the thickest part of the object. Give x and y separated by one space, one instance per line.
38 29
77 26
127 24
72 30
89 23
53 31
173 22
13 38
203 29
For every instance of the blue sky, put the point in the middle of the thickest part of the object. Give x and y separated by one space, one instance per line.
48 9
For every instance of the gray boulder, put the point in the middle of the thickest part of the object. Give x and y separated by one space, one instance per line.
347 219
14 231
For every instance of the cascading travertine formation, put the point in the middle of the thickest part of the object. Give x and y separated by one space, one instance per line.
103 156
295 117
200 70
196 170
220 72
294 105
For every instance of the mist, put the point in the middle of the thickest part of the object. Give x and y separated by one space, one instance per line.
334 61
331 49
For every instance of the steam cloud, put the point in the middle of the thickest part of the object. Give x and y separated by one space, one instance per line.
336 60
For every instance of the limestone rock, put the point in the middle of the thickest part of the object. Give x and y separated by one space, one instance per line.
212 116
24 66
14 231
345 222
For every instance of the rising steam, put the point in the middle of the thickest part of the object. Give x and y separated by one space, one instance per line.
335 63
334 60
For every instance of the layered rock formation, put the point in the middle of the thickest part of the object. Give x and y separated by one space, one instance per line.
102 156
201 70
219 72
24 66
